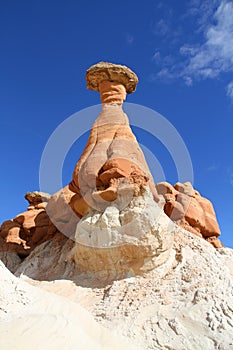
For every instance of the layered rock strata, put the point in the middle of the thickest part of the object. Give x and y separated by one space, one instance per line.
114 190
109 208
185 298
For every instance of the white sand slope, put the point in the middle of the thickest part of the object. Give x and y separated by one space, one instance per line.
31 318
186 303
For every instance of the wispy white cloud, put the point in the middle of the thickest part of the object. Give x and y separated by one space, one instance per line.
188 81
188 50
129 39
231 179
230 90
165 60
214 54
213 167
162 27
160 5
203 10
156 57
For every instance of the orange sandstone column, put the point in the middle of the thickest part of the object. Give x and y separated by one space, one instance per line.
112 165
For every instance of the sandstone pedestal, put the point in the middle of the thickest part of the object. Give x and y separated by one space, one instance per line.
115 195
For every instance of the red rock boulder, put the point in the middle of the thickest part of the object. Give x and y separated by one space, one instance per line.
185 206
28 229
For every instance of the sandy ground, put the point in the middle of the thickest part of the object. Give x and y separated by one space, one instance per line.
31 318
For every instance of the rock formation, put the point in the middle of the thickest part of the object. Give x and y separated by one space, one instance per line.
109 208
130 252
22 234
114 189
112 166
186 303
187 208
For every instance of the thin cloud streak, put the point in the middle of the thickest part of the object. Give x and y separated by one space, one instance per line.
231 179
213 167
216 54
129 39
230 90
212 57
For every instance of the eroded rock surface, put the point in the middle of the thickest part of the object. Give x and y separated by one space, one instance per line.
112 167
118 255
114 190
22 234
187 208
134 239
185 303
111 176
105 71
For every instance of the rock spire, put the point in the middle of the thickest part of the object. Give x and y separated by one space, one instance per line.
114 190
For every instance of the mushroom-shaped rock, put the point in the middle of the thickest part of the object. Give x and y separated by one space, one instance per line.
113 81
110 206
112 167
105 71
115 195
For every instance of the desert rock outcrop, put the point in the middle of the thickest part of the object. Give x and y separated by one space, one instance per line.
187 208
185 303
114 189
109 208
120 249
22 234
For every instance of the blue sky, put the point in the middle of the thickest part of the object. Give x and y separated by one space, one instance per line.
182 52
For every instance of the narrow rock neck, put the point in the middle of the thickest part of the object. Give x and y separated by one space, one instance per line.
112 92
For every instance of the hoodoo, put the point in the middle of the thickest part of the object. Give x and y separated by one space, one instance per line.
134 254
112 208
115 194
